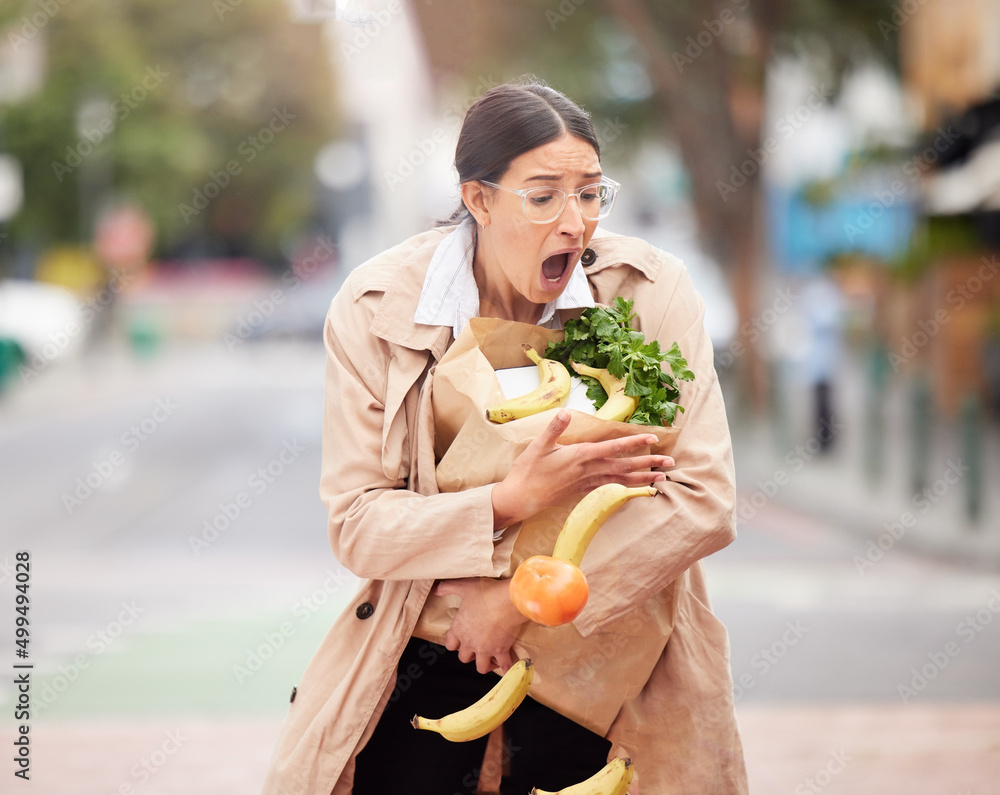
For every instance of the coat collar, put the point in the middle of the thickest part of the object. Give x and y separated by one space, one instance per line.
612 250
402 276
402 284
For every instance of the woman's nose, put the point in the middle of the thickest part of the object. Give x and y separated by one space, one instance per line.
571 219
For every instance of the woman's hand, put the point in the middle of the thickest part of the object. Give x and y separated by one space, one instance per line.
547 472
486 624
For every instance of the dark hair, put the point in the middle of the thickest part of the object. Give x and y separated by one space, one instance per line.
509 120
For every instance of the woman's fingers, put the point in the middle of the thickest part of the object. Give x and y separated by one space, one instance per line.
637 463
549 471
626 445
501 661
627 454
550 436
484 664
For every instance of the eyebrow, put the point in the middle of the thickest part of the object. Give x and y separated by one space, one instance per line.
555 177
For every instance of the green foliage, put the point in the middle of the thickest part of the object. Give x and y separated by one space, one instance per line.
604 338
939 237
189 86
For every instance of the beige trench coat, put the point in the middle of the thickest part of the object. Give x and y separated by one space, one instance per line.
390 526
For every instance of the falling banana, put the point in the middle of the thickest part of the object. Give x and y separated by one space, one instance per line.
589 514
552 392
619 406
479 719
613 779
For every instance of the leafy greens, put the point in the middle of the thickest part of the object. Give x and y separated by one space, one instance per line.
604 338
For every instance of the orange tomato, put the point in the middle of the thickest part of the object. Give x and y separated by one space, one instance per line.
549 590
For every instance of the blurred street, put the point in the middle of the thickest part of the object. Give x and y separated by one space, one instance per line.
185 186
155 638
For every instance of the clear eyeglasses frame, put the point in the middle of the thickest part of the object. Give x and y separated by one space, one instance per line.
540 204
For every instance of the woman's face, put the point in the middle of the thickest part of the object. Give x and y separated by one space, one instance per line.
536 260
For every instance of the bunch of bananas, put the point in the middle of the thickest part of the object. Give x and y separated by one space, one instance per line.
482 717
554 385
619 406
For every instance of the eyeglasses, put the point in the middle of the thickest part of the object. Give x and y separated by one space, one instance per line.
545 205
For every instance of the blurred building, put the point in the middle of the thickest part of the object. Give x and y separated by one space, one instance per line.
950 63
949 54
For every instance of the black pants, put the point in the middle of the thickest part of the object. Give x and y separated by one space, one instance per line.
541 747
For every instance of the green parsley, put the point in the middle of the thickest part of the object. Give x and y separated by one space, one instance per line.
604 338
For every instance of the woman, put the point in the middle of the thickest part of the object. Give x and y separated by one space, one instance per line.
533 258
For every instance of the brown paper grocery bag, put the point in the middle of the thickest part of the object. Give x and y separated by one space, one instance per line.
586 679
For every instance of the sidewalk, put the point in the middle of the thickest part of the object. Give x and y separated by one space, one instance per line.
778 458
840 750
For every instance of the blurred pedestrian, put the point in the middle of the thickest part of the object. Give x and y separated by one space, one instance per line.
822 305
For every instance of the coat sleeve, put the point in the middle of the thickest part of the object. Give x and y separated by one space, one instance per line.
378 528
649 543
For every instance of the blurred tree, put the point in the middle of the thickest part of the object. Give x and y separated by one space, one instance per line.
690 72
208 114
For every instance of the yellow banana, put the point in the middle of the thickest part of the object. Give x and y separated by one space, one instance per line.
552 392
612 779
589 514
619 406
490 711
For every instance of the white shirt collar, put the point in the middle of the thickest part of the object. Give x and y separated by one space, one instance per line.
450 295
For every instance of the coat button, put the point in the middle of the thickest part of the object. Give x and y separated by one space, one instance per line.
364 610
589 257
294 691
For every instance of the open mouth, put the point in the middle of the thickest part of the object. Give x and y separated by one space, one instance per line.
555 267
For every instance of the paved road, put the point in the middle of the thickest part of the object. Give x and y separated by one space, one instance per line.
181 578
